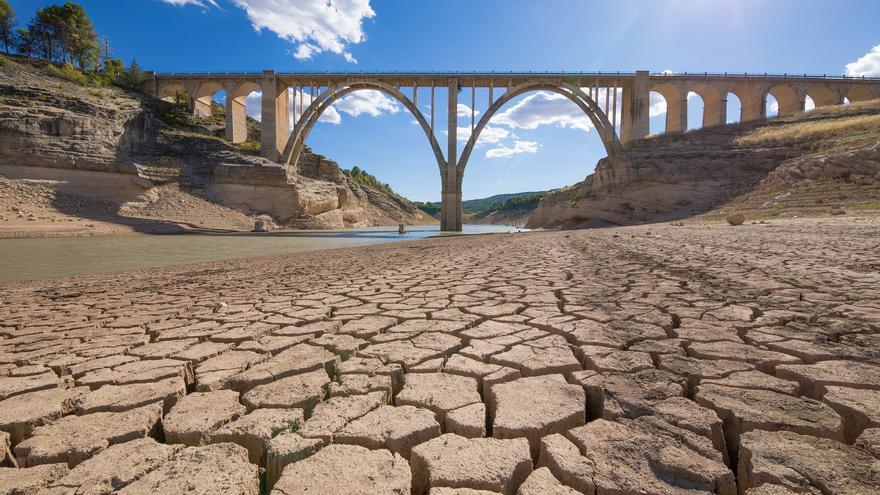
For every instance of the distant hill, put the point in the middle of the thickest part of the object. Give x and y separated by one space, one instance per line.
492 202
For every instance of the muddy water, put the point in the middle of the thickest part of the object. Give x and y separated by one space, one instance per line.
29 259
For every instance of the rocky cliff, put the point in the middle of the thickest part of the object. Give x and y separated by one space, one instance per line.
118 157
814 162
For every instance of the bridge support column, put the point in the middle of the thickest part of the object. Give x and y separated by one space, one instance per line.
753 106
236 120
635 109
201 107
275 126
715 111
677 114
450 201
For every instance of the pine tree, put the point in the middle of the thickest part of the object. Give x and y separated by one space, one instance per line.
7 24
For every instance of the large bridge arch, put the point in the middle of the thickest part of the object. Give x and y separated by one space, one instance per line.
590 108
317 107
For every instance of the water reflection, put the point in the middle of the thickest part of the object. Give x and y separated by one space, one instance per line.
28 259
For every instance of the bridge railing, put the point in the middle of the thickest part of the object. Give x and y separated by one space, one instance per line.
404 73
766 75
708 75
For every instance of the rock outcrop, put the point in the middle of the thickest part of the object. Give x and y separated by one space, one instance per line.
817 161
126 157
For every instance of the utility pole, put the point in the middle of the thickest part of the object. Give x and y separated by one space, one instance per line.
105 48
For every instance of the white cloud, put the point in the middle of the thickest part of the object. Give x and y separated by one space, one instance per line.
517 148
370 102
867 65
657 104
492 135
314 26
544 108
463 110
199 3
489 135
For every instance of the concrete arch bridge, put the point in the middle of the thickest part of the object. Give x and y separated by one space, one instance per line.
617 105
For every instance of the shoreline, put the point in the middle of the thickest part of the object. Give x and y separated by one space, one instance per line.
53 258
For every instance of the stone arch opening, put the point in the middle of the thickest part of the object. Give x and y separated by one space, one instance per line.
771 106
713 105
496 143
734 108
696 111
822 96
576 95
656 113
236 101
324 100
203 96
809 104
675 96
787 100
173 93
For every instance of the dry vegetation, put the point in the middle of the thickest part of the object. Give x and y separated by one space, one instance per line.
834 126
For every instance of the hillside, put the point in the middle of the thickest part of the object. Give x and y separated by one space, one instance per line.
819 162
500 209
492 203
80 159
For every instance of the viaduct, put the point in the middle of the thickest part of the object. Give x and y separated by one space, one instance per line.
617 104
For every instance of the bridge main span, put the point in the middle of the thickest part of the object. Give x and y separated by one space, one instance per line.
617 105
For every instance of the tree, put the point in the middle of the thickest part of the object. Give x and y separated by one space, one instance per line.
113 69
64 33
45 30
133 77
78 35
7 23
24 42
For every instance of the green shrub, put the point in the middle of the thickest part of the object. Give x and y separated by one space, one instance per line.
69 73
3 63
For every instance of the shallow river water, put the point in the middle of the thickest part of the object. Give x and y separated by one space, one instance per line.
29 259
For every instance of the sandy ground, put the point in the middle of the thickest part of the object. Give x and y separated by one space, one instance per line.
655 359
35 208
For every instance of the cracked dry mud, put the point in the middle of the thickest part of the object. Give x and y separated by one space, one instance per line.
643 360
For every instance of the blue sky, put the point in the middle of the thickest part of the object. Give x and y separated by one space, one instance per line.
538 143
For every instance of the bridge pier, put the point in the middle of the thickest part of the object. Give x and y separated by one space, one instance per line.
450 201
201 107
635 109
275 125
236 119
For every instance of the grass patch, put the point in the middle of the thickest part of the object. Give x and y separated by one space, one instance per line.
68 73
250 147
850 127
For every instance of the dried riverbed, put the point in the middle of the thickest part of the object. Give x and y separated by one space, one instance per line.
654 359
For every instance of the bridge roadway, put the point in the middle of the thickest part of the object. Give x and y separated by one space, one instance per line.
617 104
